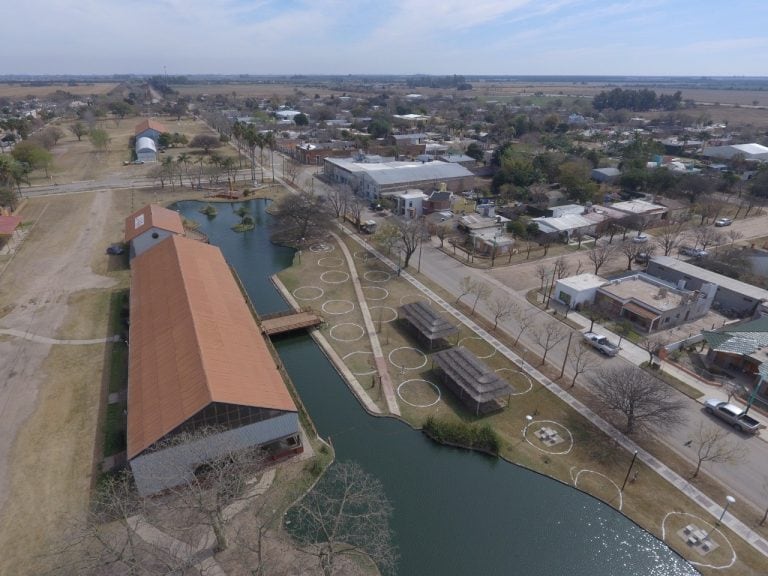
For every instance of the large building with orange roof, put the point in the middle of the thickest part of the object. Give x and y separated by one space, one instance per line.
197 358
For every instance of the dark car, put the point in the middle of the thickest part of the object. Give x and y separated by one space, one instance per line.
116 249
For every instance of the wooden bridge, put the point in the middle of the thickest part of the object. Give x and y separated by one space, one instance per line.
288 321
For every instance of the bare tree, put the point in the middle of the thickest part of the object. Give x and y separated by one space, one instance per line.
592 312
707 236
734 236
480 291
668 236
599 255
712 444
299 218
387 236
338 197
581 360
105 539
652 345
354 209
525 319
346 514
501 306
442 231
466 285
220 481
543 275
732 388
560 267
411 235
641 398
548 336
630 250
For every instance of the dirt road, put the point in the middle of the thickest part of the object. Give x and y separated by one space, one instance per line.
49 397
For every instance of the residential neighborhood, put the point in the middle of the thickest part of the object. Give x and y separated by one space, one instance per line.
307 321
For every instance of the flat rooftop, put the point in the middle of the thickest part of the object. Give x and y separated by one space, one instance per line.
655 295
583 281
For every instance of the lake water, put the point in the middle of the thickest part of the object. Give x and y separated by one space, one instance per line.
455 512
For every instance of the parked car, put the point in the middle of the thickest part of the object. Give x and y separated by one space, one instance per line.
601 343
115 249
723 222
640 238
695 252
732 414
642 257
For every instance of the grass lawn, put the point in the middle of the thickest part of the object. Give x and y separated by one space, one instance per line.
586 458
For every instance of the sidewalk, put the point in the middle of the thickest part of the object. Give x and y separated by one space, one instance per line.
699 498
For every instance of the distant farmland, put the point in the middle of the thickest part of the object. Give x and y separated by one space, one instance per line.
18 91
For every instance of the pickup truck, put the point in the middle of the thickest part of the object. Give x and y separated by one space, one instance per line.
732 414
601 343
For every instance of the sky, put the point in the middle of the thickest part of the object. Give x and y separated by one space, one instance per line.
512 37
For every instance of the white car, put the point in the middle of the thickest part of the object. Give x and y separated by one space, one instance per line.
640 238
720 222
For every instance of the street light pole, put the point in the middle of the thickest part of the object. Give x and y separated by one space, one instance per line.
628 471
728 501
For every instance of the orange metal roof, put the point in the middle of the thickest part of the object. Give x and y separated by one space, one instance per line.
193 341
149 123
152 216
8 224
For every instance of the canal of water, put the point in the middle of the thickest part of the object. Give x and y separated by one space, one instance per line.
455 512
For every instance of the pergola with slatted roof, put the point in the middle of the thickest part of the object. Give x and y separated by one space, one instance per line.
427 322
475 383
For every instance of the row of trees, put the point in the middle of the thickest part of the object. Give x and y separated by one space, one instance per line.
636 100
345 515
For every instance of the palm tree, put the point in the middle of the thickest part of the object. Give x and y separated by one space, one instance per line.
271 142
183 160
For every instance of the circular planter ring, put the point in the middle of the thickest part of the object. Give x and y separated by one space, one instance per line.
386 292
493 350
394 312
530 380
580 472
370 372
439 395
711 528
320 290
539 448
384 276
336 326
324 277
402 367
328 259
321 247
349 302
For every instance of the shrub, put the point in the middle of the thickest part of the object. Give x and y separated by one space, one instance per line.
470 436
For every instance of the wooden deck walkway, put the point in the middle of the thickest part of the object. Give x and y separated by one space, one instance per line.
288 321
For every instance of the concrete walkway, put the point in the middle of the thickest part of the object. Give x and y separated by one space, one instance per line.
336 360
698 497
46 340
370 327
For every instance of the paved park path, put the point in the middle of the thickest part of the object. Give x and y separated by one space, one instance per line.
378 355
737 526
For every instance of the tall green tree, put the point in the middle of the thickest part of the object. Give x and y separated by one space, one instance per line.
32 155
